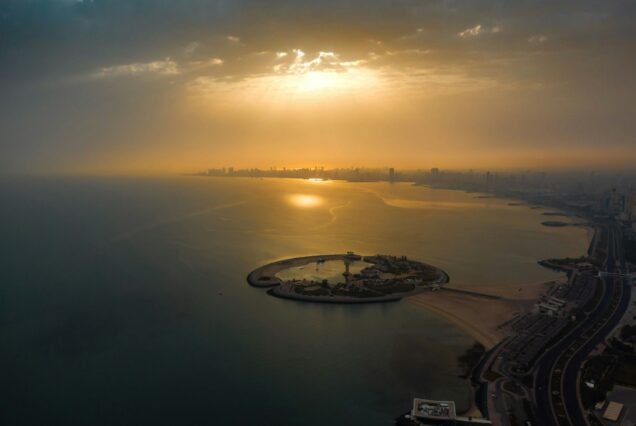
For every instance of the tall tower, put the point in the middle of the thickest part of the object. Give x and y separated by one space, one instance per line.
347 274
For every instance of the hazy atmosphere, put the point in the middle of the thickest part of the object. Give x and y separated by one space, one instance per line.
139 87
317 213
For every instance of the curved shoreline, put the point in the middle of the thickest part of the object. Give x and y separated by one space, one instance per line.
334 299
463 306
265 277
256 278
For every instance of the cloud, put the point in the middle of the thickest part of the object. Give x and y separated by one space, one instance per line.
471 32
436 47
162 67
538 39
297 62
478 30
191 48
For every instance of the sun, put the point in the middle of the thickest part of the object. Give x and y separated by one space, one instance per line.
324 83
319 80
314 81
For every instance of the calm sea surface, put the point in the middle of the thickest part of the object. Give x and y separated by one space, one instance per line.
124 301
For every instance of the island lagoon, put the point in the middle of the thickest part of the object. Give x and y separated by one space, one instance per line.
124 301
330 270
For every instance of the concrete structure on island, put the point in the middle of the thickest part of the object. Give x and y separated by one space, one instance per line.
432 412
380 278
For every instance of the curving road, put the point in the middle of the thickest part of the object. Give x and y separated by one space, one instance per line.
557 382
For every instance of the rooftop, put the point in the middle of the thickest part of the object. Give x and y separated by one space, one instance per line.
613 411
428 408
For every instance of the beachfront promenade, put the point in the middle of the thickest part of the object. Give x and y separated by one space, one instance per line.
533 374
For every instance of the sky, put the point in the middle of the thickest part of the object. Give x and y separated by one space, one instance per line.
158 86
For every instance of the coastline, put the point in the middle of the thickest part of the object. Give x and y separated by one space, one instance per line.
466 311
265 276
335 299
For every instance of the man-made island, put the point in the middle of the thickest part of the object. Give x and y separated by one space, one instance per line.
347 278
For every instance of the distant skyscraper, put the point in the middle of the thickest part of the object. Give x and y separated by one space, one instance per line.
391 174
631 207
434 174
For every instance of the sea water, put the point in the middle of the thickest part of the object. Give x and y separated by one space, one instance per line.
123 301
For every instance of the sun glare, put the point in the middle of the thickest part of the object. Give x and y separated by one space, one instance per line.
313 81
324 73
324 78
321 83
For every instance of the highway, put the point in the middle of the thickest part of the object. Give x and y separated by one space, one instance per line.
618 300
556 390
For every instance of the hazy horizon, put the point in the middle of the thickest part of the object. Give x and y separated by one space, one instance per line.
335 212
141 87
556 172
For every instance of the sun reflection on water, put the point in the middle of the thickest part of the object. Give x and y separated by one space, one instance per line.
305 200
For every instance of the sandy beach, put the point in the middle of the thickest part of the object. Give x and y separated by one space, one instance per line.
513 291
478 316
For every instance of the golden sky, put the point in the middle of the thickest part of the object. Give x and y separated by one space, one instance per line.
162 87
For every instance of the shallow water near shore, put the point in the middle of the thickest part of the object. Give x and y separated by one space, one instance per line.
330 270
124 301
